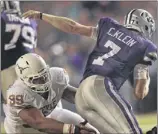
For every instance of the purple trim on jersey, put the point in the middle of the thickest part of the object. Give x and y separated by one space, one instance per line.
130 109
123 105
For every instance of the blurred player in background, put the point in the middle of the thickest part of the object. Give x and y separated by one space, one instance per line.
34 96
119 50
18 37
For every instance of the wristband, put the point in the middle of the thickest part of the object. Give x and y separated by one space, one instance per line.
41 15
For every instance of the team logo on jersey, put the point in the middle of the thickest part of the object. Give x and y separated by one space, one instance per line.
47 109
22 69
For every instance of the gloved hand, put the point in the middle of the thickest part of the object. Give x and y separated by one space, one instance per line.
79 129
152 131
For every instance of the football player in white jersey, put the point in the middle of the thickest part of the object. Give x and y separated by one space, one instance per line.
32 99
14 43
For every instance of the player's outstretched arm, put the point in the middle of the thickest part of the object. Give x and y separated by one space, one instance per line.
35 119
62 23
69 94
142 81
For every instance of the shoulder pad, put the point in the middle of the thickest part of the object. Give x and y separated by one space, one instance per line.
59 75
18 97
108 20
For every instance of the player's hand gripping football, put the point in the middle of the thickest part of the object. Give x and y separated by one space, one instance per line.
31 14
90 130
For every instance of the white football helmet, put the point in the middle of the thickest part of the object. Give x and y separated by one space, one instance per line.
34 72
140 20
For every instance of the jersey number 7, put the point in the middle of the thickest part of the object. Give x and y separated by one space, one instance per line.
114 50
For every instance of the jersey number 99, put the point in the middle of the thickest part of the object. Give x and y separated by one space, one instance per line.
16 99
114 50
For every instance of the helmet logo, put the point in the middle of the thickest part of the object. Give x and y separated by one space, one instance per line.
22 69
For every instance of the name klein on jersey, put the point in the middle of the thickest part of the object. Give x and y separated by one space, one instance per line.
129 41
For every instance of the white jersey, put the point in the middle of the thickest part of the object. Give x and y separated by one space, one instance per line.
19 96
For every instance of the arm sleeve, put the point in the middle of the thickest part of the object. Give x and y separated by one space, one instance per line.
60 76
141 71
94 34
103 25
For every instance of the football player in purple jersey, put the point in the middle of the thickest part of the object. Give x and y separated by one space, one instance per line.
119 50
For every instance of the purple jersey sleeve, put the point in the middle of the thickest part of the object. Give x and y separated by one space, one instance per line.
101 23
150 53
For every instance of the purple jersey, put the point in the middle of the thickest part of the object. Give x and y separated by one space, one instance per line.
117 51
18 37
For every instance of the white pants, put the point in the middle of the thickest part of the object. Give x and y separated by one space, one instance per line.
98 101
58 113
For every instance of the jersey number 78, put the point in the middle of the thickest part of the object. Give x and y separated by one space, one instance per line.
26 32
